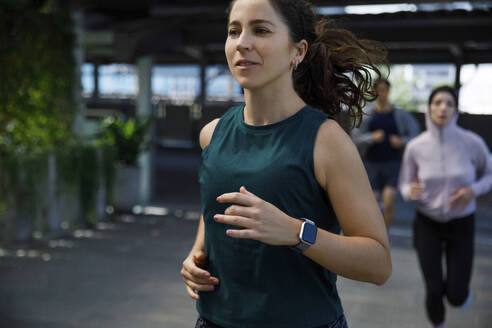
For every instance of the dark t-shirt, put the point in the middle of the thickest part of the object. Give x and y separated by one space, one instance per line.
383 152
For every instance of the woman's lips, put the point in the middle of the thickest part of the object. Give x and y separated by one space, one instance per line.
245 64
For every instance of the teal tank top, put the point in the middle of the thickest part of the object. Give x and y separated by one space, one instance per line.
263 286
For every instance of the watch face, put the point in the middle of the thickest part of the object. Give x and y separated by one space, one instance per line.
309 233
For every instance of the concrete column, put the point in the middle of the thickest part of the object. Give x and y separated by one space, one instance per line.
200 107
203 81
457 52
95 93
78 54
144 111
457 78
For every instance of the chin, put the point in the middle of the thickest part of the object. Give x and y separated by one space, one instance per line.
247 83
254 81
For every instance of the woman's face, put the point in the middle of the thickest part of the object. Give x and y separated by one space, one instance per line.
382 90
442 108
258 47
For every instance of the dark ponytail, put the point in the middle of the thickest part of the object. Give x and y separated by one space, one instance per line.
335 75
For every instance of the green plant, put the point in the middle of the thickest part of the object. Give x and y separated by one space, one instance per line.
89 179
22 182
129 138
108 167
37 69
37 110
82 168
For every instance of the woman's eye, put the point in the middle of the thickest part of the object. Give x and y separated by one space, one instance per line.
233 32
261 31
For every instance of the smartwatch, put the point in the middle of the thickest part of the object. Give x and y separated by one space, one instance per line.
307 235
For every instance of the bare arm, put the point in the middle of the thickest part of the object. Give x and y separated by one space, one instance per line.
194 276
362 253
199 244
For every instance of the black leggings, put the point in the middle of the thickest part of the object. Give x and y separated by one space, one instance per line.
455 239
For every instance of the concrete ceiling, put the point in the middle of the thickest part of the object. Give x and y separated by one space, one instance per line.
190 31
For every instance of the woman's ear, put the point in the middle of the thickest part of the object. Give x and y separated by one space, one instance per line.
302 47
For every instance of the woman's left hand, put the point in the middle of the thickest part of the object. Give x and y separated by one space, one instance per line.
261 220
461 197
396 142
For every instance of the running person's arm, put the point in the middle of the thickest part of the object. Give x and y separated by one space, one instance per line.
361 135
195 277
363 252
408 127
483 164
408 184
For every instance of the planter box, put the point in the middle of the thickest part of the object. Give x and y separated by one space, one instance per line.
15 226
54 210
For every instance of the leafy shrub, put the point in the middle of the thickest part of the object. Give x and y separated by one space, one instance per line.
128 137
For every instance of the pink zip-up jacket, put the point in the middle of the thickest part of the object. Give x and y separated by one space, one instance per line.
443 159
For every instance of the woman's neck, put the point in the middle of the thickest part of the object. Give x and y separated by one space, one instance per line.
269 105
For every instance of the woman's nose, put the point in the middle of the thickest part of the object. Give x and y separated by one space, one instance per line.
442 108
244 42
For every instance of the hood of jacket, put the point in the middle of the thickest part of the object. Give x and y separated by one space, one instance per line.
442 132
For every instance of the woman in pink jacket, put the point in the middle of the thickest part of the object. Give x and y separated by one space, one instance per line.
444 169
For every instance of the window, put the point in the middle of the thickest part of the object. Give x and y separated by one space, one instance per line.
177 83
87 79
476 87
117 81
411 84
221 86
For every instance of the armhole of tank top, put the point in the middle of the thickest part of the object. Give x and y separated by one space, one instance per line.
212 137
214 133
311 160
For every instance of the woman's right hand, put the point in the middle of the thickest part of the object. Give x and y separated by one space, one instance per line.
195 277
378 136
416 190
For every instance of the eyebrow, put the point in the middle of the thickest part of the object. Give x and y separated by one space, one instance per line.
253 22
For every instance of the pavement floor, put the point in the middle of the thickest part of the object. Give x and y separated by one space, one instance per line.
125 274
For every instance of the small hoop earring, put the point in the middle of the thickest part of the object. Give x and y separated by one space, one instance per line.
296 64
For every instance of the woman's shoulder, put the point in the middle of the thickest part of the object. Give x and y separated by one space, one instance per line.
472 139
469 134
315 114
207 132
334 153
208 129
333 142
331 129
